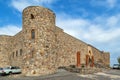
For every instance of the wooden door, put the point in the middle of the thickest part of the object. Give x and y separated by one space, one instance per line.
78 59
87 60
92 61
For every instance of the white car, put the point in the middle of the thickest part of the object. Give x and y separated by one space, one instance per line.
116 66
10 70
1 71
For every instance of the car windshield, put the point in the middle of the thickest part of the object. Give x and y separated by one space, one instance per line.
116 64
7 68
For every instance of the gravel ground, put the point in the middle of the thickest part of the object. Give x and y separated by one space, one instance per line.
65 75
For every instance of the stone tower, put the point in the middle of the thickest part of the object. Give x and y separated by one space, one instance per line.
39 37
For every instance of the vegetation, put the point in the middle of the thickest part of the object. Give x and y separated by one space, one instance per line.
118 59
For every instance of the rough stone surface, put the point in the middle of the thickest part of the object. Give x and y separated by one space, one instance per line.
48 49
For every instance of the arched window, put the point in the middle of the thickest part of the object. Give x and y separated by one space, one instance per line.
32 16
32 34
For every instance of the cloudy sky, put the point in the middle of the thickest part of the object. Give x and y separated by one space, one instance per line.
96 22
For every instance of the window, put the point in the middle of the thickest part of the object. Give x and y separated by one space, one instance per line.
33 34
16 53
13 54
32 16
21 52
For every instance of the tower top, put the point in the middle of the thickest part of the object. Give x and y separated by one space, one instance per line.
37 8
38 15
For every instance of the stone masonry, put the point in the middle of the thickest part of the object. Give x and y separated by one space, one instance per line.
41 47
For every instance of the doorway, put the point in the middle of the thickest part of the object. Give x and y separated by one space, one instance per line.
78 59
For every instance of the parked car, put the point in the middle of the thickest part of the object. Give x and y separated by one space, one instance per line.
1 71
116 66
10 70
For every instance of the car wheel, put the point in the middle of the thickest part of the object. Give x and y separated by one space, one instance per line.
10 73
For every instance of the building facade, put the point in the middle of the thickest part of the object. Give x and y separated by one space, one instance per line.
41 47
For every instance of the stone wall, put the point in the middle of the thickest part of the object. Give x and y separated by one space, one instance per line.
101 58
67 48
106 59
4 50
17 50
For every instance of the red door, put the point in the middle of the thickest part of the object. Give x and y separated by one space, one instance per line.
78 59
92 61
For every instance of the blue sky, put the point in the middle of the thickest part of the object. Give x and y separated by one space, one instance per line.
96 22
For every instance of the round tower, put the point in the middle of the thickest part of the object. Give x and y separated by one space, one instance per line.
39 39
37 20
36 16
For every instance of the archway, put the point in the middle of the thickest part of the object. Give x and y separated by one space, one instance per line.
89 59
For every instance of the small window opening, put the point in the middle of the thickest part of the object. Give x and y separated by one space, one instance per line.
13 54
16 53
32 16
47 46
21 52
33 34
32 52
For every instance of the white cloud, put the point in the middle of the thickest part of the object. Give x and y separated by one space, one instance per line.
21 4
100 35
97 30
105 3
113 20
111 3
9 30
71 25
